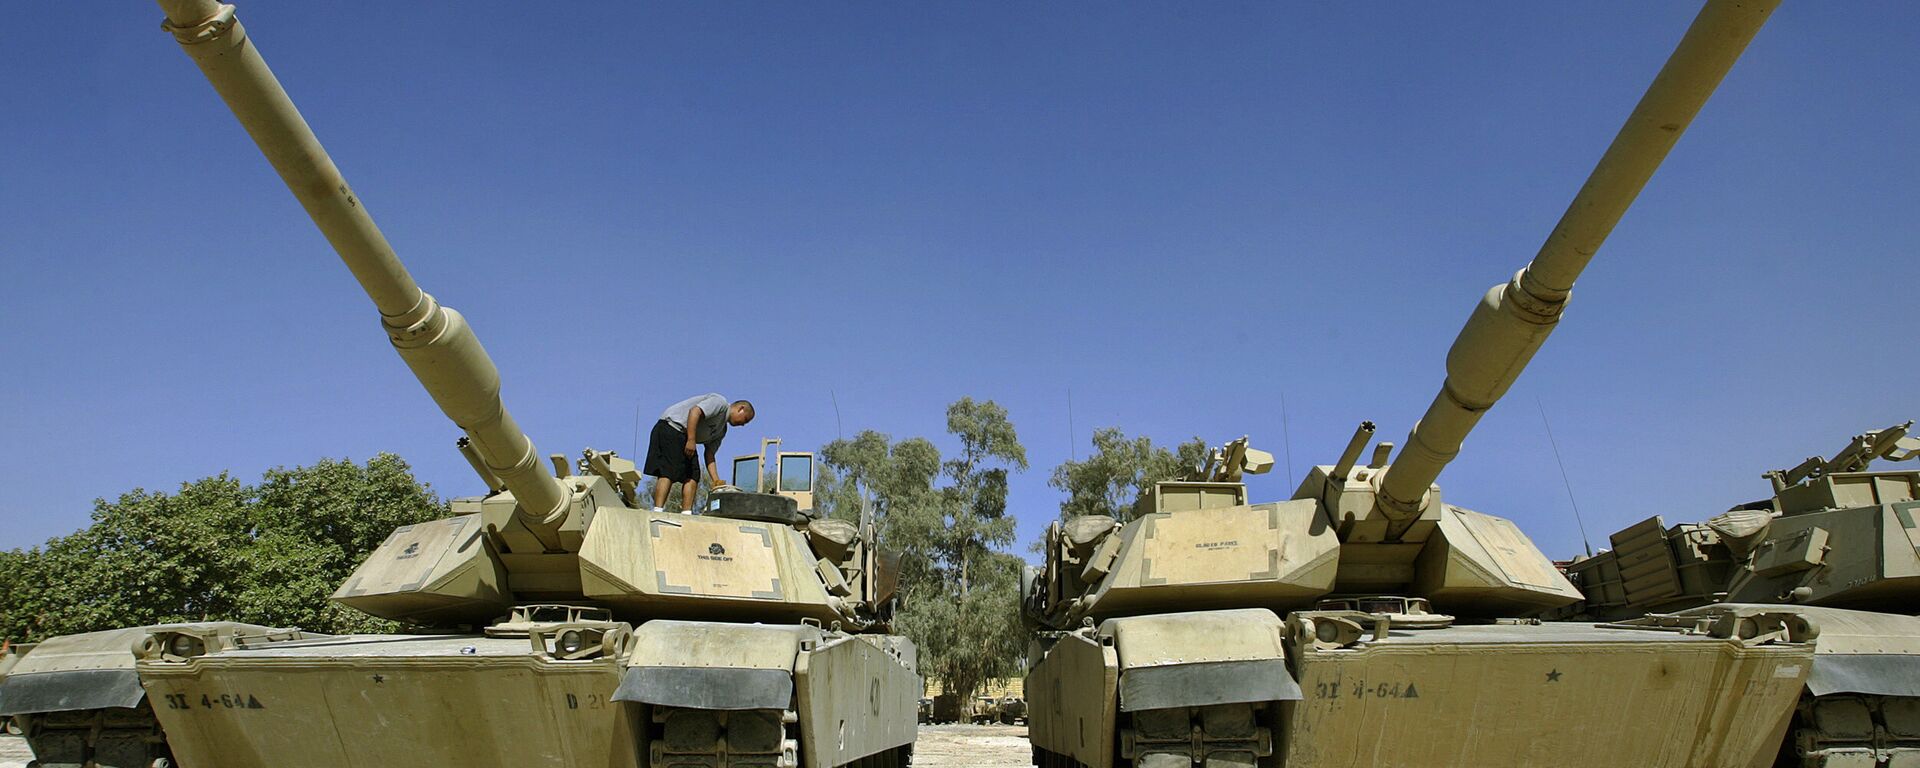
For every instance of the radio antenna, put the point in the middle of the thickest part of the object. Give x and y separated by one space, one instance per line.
1073 448
838 433
1286 437
1563 477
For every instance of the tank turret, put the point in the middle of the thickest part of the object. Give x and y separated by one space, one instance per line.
1832 534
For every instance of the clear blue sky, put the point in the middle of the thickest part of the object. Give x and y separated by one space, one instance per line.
1180 213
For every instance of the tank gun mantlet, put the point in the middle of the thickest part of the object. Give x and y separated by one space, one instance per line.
1357 501
1475 563
511 534
1352 505
597 480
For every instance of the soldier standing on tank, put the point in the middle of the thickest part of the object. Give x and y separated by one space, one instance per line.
695 421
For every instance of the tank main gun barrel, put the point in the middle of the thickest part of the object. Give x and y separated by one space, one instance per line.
1513 319
435 341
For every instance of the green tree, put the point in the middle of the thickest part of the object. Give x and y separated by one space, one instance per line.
835 496
948 518
216 549
315 524
1120 469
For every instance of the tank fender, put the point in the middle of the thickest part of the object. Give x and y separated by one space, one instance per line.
1863 652
713 665
92 670
729 688
1876 674
69 691
1201 658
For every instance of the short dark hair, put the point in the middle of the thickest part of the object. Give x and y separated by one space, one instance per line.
749 404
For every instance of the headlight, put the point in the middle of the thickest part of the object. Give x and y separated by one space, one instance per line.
571 641
185 645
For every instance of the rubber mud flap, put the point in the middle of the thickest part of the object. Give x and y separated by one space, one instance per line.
708 687
1869 673
1206 683
68 691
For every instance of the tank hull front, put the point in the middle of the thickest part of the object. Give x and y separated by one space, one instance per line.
365 701
668 693
1555 694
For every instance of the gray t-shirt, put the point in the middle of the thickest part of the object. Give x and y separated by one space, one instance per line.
713 418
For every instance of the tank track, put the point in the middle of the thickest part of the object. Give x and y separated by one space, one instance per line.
753 738
1219 736
1854 731
97 738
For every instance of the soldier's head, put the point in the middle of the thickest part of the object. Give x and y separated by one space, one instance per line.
739 413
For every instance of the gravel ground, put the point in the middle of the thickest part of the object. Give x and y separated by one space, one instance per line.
940 746
972 746
13 752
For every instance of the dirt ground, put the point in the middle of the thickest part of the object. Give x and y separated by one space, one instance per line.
972 746
940 746
13 752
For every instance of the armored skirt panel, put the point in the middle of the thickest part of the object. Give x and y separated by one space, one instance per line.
668 693
1259 691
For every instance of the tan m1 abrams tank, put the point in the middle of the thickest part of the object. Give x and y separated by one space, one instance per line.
749 636
1359 623
1838 543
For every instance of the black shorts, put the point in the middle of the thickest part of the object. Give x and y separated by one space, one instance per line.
667 454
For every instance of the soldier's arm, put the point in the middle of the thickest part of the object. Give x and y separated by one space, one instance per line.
693 427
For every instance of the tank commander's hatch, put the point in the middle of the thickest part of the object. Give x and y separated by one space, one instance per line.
760 507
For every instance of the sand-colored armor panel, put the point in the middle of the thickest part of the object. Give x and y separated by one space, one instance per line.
1073 689
1217 556
850 679
371 701
1489 695
437 571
